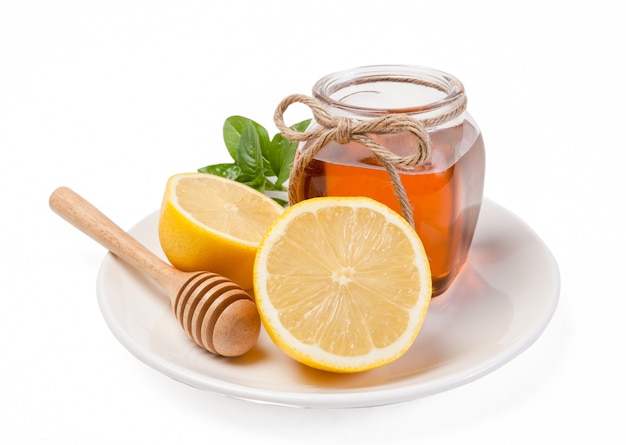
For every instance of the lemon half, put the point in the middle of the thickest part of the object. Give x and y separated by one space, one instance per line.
342 283
214 224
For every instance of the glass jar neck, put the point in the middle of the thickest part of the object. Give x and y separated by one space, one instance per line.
373 91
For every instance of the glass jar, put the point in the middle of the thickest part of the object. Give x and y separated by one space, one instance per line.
445 193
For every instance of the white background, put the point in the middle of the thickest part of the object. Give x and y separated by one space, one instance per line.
111 98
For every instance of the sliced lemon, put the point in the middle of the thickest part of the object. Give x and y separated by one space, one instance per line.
214 224
342 283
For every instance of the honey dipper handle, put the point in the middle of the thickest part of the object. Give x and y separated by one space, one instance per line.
88 219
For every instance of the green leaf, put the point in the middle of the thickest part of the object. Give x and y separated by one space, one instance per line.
282 202
230 171
250 159
259 162
276 153
233 129
281 157
301 126
269 185
282 152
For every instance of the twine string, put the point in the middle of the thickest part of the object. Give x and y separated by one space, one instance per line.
344 130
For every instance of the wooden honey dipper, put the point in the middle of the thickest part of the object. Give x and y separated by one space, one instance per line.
216 313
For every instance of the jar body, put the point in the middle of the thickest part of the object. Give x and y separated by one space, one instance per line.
445 193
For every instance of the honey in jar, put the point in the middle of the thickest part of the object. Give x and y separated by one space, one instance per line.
445 192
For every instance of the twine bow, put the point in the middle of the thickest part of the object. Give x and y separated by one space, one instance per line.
343 130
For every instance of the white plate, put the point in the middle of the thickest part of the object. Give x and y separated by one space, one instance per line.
498 306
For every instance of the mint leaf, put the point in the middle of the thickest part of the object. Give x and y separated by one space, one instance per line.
282 152
230 171
282 202
259 163
275 154
281 157
233 129
250 158
301 126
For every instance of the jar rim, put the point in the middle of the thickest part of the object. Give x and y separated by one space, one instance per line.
450 86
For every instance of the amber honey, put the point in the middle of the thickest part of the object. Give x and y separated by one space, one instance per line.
445 194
